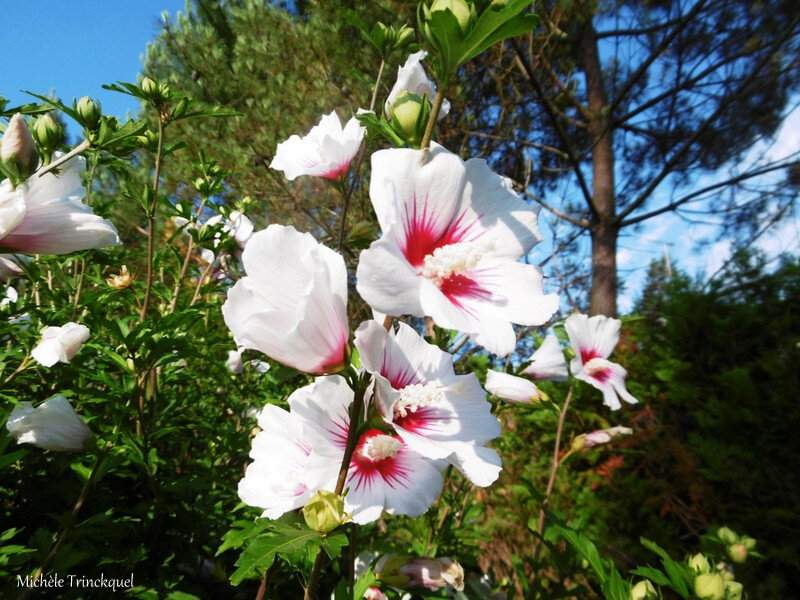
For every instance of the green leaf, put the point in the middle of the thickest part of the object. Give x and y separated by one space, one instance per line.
652 574
584 546
290 541
363 583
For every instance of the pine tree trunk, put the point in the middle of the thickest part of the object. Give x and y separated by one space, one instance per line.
603 293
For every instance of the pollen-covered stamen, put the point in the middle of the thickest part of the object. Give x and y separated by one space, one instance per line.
452 259
417 395
599 368
380 447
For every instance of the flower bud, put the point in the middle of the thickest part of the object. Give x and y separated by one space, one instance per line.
149 87
733 590
644 590
603 436
710 586
148 140
579 443
49 135
234 363
121 280
749 543
738 553
362 233
727 535
409 116
699 564
89 112
375 593
460 9
413 572
53 425
18 150
405 35
324 511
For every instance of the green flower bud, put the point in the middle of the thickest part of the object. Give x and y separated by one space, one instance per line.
388 571
18 150
362 233
324 511
749 543
738 553
405 35
710 586
644 590
461 10
727 535
149 87
733 590
49 135
699 564
410 116
579 442
148 140
89 112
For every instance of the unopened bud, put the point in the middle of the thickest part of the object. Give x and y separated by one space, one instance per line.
579 442
49 135
738 553
89 112
733 590
363 231
149 87
148 140
644 590
18 150
461 10
409 116
405 35
710 586
324 511
414 572
375 593
727 535
699 564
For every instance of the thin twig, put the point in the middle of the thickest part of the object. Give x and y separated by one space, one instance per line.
537 544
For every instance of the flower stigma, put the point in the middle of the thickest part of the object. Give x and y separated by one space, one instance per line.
380 447
417 395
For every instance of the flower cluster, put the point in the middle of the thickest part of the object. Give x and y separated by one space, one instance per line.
452 236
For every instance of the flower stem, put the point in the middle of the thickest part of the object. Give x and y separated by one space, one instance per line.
350 446
362 152
433 117
84 145
151 220
187 258
537 545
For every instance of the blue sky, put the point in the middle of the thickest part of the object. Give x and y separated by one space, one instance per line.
72 47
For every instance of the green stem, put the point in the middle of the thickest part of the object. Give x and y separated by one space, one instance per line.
350 446
84 145
434 116
151 220
347 195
